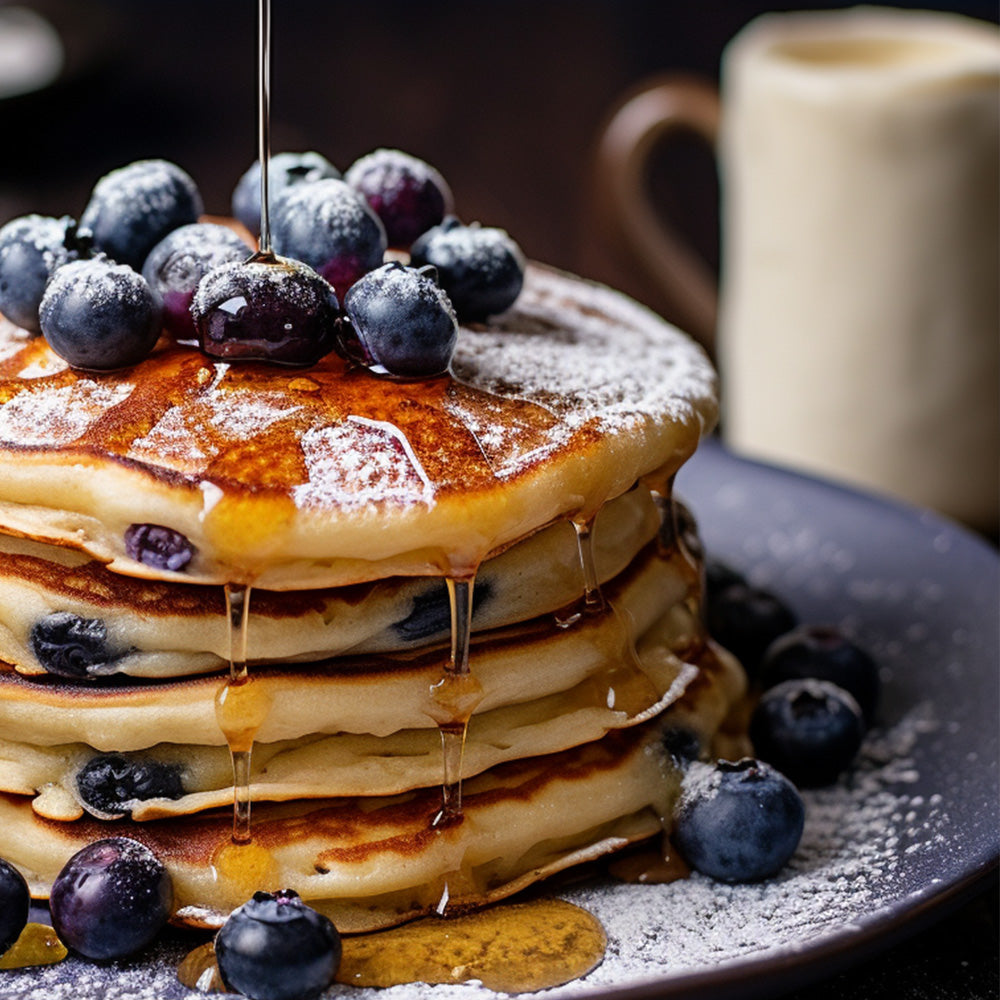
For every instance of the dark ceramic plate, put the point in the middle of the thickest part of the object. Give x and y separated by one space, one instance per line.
918 591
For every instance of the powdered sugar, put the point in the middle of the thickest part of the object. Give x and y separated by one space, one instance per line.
571 363
61 415
858 834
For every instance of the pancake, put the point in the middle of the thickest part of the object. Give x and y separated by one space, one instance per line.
470 607
329 476
151 628
697 702
372 862
370 695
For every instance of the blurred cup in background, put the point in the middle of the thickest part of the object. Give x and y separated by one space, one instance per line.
859 321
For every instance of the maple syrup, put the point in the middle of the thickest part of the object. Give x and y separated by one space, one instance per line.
510 948
240 708
37 944
650 866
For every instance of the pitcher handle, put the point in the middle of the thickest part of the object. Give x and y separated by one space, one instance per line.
664 105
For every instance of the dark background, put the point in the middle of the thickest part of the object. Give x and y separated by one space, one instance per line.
506 98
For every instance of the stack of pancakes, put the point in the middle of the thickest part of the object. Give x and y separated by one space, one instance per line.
346 510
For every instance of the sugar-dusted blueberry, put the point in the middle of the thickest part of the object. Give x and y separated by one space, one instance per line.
68 645
280 311
99 315
14 903
481 269
180 260
111 899
746 620
403 322
809 730
274 947
284 171
823 652
31 248
330 227
737 822
158 546
110 784
132 208
407 194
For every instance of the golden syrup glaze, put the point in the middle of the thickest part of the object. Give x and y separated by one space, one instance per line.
550 410
509 948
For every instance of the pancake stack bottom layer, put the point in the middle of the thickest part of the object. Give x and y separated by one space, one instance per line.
425 644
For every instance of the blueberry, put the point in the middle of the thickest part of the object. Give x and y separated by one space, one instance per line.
809 730
157 546
274 947
132 208
99 316
430 614
481 269
823 652
737 822
14 902
330 227
280 311
284 171
718 576
108 784
70 646
746 620
683 744
407 194
403 322
180 260
31 248
111 899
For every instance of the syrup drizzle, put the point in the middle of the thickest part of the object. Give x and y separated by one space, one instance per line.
264 120
661 487
454 698
239 709
592 600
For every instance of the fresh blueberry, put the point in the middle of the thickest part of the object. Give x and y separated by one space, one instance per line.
111 899
737 822
330 227
99 316
132 208
823 652
718 576
109 784
274 947
481 269
430 614
158 546
683 744
31 248
14 902
180 260
266 310
407 194
403 322
70 646
746 620
809 730
284 171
